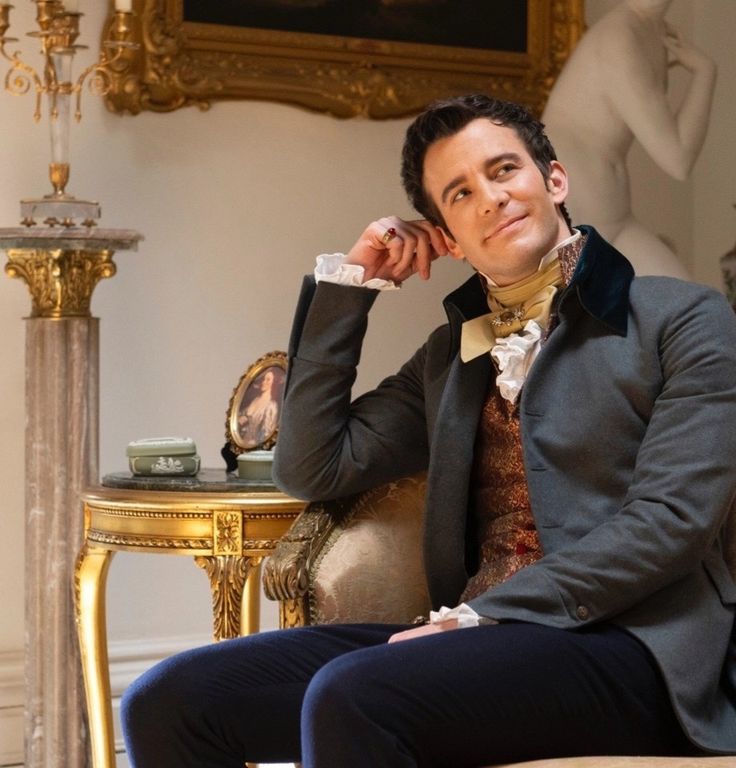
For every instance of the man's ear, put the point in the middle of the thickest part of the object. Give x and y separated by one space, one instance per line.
557 182
452 247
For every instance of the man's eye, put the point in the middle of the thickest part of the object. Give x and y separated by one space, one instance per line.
505 169
459 195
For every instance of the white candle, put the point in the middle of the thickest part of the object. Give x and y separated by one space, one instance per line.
126 6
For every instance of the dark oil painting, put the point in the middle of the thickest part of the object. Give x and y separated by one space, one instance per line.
497 25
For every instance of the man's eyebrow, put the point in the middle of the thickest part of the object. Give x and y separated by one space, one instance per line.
450 186
503 157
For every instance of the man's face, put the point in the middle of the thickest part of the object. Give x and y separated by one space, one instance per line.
500 211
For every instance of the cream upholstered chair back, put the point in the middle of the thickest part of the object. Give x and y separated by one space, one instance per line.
357 559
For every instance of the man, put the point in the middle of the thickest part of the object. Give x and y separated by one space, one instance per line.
577 428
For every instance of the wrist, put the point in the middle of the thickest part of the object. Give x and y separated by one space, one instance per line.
334 268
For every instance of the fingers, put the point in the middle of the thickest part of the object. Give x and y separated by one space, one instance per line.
683 53
394 249
422 631
411 246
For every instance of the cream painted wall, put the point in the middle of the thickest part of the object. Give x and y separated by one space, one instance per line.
234 203
714 179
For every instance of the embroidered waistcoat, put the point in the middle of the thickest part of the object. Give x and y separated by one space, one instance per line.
505 530
506 535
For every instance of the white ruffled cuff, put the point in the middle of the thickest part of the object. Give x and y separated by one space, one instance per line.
331 268
465 615
514 355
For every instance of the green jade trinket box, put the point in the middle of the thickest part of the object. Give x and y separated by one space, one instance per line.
163 456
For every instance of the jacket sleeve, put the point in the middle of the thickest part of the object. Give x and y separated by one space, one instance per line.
681 492
329 446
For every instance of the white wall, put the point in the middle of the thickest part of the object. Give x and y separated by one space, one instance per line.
234 203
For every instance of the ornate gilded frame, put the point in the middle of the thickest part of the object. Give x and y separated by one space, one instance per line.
180 63
275 361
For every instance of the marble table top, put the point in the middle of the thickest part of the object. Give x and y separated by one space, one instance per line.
92 238
206 481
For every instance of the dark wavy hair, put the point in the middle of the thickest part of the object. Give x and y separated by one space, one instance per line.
449 116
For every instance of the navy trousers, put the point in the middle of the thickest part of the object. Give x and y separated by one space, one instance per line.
341 697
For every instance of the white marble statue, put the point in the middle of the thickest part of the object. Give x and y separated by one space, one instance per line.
612 90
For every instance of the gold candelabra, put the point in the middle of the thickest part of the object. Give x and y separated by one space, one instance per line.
58 30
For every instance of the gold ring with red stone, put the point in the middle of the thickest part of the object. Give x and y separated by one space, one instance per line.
388 235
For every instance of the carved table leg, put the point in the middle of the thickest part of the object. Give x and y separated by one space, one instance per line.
90 579
250 614
228 575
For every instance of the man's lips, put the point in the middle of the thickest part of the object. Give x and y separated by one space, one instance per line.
505 225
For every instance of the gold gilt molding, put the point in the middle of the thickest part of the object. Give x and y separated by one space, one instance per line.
149 514
180 63
103 538
228 529
227 577
260 545
286 571
61 281
293 613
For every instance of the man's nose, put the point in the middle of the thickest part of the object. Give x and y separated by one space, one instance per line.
491 197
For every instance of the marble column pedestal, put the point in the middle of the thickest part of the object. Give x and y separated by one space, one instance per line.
61 460
61 266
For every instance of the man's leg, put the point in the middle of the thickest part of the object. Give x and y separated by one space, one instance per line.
218 706
488 695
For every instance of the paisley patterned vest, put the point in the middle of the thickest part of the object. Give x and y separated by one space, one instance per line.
505 531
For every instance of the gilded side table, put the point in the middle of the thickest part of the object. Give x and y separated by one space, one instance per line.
227 524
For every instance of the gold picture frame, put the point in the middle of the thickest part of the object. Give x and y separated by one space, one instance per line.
179 63
254 410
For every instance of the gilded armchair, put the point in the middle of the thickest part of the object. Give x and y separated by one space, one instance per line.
360 559
338 558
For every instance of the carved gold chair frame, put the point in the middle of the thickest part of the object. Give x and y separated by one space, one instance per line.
179 63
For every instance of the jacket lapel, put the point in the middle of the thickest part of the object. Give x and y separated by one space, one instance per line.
601 292
449 475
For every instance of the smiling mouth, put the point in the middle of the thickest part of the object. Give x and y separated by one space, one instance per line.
508 223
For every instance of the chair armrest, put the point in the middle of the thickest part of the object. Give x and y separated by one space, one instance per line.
353 559
286 572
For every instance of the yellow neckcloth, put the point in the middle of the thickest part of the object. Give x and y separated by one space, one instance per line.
512 307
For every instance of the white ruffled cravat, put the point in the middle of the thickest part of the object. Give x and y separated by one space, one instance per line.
514 355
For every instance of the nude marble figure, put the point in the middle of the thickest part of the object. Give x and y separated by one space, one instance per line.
613 90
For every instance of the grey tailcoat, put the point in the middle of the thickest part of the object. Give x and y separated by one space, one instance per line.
628 422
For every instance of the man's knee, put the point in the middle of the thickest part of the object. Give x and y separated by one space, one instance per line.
328 694
346 688
161 695
348 715
147 697
324 694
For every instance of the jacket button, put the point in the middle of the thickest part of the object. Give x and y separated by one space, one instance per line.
582 612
